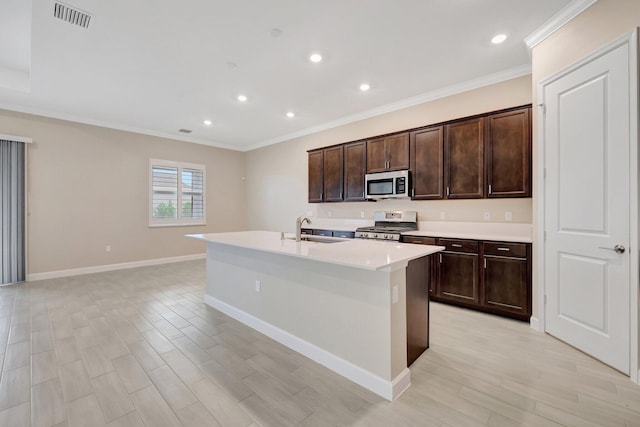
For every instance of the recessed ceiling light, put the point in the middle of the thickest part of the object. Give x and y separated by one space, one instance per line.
291 114
315 57
242 98
365 87
207 122
499 38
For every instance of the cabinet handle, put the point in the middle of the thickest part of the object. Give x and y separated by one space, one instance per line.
456 245
448 192
440 258
489 188
485 263
413 192
341 195
504 249
363 194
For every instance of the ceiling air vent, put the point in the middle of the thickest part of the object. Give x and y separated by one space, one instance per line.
185 130
71 14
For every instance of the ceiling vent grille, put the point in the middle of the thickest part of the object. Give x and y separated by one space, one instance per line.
71 14
185 130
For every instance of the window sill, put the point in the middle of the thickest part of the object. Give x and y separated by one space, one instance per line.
190 224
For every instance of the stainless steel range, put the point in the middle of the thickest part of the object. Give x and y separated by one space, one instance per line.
389 225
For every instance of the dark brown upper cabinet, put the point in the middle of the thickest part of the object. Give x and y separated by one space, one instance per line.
427 161
316 176
508 157
464 159
333 173
326 170
355 165
388 153
488 155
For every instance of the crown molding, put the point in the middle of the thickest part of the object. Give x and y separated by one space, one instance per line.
112 125
557 21
483 81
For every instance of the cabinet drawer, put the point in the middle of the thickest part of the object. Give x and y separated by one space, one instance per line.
455 245
505 249
344 234
420 240
327 233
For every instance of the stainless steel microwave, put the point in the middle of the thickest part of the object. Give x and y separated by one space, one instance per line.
387 185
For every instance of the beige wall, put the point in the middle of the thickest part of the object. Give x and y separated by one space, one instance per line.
277 175
88 187
602 23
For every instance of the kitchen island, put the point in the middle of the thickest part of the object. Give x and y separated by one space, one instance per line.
342 304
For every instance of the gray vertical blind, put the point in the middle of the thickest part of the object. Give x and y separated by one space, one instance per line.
12 210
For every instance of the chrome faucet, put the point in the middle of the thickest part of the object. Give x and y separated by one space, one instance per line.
299 221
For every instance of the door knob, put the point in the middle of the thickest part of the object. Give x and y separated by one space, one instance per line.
617 248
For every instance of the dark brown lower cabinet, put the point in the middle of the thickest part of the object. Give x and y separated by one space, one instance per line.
458 277
489 276
506 283
418 279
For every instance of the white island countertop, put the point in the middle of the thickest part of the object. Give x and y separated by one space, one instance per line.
359 253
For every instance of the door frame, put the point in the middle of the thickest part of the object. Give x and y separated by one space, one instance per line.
631 41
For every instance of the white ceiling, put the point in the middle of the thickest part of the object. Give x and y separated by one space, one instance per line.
156 66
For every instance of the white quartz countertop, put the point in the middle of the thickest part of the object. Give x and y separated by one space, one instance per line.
496 231
358 253
471 236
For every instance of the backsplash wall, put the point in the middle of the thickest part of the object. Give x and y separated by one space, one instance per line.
433 210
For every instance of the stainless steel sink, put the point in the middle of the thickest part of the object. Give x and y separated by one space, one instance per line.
318 239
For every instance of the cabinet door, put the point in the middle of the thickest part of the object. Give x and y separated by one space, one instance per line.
508 163
316 176
506 285
464 159
333 165
355 165
397 151
432 275
459 276
426 154
417 280
376 155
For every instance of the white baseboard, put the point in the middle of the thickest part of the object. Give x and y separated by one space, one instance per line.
534 323
111 267
387 389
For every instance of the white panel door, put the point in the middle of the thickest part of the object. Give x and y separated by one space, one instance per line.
587 143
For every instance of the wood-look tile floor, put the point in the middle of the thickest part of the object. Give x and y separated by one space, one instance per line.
139 348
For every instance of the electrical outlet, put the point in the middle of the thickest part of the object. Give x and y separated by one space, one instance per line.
329 214
508 216
309 214
361 214
443 215
394 294
258 286
486 216
108 248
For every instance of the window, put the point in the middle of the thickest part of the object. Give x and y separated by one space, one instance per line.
176 193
